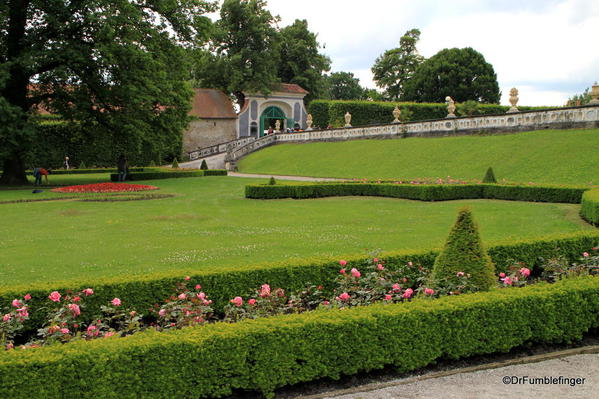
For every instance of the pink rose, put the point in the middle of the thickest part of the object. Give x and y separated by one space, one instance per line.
396 287
109 334
91 329
408 293
342 271
27 297
6 317
75 309
342 263
132 313
88 291
525 272
380 267
264 291
162 312
326 303
237 301
585 254
375 260
16 303
198 287
252 302
355 272
388 297
429 291
460 274
344 296
507 281
182 296
201 296
502 275
54 296
116 302
187 278
23 313
410 264
64 330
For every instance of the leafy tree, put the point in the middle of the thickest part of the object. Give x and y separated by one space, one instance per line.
580 99
344 86
116 65
301 62
462 74
246 49
396 66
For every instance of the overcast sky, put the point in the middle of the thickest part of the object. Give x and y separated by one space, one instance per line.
548 49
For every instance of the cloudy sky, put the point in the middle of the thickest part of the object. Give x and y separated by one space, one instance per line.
548 49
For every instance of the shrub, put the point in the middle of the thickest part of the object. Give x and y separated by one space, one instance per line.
464 256
272 181
82 165
204 165
169 174
590 206
175 164
489 176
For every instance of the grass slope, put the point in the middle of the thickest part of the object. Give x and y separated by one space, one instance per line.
209 225
550 156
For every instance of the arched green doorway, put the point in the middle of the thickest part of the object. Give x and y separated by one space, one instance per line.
269 118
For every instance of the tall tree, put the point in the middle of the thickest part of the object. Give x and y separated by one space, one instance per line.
463 74
247 46
119 64
396 66
301 61
344 86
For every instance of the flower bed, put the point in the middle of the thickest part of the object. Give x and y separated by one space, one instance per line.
104 188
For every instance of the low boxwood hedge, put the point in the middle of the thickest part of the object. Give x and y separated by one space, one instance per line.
141 292
169 174
88 171
265 354
590 206
422 192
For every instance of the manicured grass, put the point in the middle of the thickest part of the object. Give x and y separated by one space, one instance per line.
209 225
550 156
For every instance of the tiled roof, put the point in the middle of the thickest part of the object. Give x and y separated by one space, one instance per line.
291 88
212 104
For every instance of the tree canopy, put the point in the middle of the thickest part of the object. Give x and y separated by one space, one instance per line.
395 67
119 65
463 74
344 86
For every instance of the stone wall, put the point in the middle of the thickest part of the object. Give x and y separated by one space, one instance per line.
208 132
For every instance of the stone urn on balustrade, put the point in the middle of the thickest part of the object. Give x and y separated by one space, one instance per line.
594 94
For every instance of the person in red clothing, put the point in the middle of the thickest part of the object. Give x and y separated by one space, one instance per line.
38 173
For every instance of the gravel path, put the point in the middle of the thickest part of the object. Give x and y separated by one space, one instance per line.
282 177
582 370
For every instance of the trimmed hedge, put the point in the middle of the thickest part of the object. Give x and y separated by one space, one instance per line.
422 192
169 174
265 354
88 171
590 206
378 112
141 292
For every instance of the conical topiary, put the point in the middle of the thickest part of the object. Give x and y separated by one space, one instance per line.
465 255
272 181
175 164
204 165
489 176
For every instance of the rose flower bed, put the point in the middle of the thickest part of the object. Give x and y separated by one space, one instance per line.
104 188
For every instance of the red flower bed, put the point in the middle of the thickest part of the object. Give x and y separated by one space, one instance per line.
104 188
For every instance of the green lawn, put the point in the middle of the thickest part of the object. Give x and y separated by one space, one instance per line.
550 156
209 225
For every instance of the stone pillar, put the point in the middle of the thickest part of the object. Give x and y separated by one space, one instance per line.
450 107
396 114
594 94
347 119
513 100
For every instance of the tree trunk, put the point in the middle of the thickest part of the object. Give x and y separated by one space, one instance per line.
13 173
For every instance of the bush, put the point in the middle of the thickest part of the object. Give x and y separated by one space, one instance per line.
175 164
169 174
204 165
489 176
590 206
272 181
88 171
464 256
265 354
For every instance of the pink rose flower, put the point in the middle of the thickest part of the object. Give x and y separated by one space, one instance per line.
201 296
116 302
6 317
342 271
54 296
264 291
187 278
237 301
109 334
410 264
344 296
198 287
429 291
460 274
88 291
408 293
326 303
132 313
585 254
525 272
16 303
388 297
162 312
375 260
75 309
27 297
502 275
252 302
91 329
355 272
182 296
396 287
23 313
507 281
380 267
64 330
342 263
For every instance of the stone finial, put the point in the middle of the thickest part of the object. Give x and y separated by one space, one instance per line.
450 107
347 119
396 114
513 100
594 94
278 126
309 122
